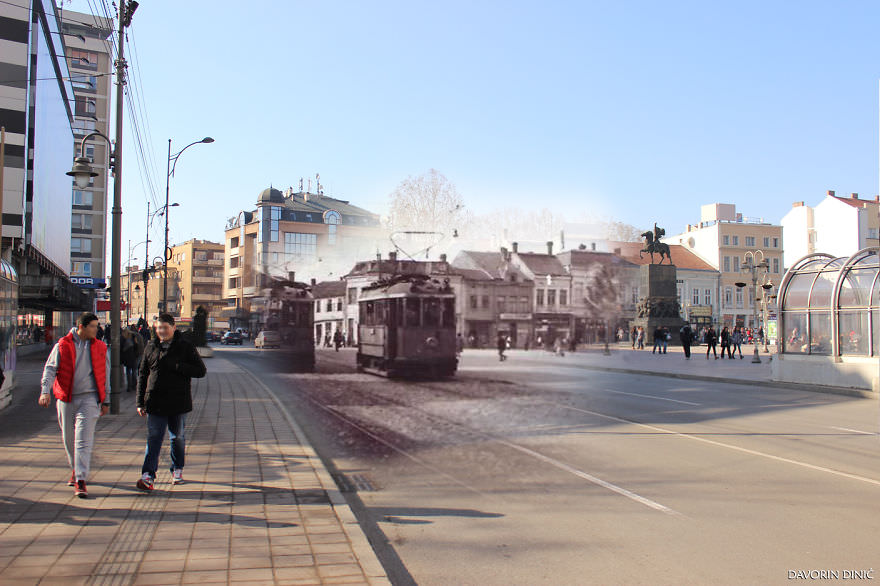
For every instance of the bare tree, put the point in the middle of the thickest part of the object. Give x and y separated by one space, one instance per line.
621 232
429 202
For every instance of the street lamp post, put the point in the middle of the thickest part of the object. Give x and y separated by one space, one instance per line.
750 265
128 274
82 171
169 172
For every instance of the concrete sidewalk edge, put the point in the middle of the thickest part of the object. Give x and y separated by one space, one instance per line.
850 392
361 547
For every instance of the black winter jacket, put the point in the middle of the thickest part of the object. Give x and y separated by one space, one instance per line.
164 380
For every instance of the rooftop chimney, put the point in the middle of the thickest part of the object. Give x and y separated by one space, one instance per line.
877 198
313 281
291 276
443 257
617 251
516 247
830 192
549 247
797 204
392 256
854 196
592 246
504 255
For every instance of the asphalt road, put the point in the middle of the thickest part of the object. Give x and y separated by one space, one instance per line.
539 472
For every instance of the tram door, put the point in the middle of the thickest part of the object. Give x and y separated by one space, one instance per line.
393 323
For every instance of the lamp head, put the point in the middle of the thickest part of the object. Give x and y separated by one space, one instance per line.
740 284
82 172
207 140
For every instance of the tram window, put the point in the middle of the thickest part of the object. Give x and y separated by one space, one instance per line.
431 315
369 313
412 311
448 313
305 313
381 311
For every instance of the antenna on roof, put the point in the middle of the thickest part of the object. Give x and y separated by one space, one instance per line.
300 184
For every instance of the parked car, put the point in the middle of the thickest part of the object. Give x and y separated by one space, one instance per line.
232 338
212 337
267 339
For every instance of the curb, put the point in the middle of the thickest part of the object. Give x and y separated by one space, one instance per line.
360 545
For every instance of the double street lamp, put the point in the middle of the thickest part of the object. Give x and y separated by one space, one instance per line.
169 173
753 265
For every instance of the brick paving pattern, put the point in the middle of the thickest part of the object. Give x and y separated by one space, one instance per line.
258 506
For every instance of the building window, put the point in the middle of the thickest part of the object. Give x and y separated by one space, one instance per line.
728 297
736 240
726 264
81 269
82 198
81 222
233 283
776 243
234 262
707 297
501 304
696 293
523 304
725 240
331 218
635 294
563 297
736 264
872 233
233 243
81 245
485 301
329 305
84 82
473 301
739 297
766 242
551 297
85 107
300 246
776 265
750 240
83 59
352 295
539 297
274 218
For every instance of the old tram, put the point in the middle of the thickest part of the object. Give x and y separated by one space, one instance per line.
407 327
289 310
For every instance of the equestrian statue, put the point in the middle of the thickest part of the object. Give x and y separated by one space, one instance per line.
653 244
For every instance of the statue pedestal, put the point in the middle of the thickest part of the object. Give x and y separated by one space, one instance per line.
659 305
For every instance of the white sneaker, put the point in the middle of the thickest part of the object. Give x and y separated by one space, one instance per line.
177 476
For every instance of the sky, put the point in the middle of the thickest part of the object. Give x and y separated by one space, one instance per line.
637 111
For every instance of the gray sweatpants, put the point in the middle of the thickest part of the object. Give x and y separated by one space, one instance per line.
77 420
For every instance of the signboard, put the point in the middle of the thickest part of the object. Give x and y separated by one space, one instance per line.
515 316
700 310
771 329
104 305
89 282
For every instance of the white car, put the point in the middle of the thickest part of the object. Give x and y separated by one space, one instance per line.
267 339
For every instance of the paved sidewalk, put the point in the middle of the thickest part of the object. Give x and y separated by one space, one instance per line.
624 359
258 506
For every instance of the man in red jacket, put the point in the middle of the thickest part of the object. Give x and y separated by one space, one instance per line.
78 374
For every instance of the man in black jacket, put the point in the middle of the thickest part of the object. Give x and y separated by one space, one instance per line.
164 397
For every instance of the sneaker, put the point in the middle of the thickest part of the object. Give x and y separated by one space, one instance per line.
146 482
72 481
80 489
177 476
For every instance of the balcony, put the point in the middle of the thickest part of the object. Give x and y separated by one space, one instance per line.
207 280
196 297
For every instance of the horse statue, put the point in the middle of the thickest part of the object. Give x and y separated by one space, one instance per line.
653 245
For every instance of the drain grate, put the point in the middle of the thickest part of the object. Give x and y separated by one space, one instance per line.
354 482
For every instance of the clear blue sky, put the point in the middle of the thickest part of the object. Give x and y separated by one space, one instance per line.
638 110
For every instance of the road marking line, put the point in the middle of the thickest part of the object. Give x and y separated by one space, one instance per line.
853 430
652 397
589 477
574 384
723 445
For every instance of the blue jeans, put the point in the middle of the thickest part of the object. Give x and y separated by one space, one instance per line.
156 426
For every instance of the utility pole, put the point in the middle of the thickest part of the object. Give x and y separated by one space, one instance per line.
126 11
165 252
146 273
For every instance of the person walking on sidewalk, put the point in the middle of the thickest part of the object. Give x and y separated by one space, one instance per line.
725 342
77 372
711 342
164 397
658 340
640 338
501 343
632 336
737 341
687 337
